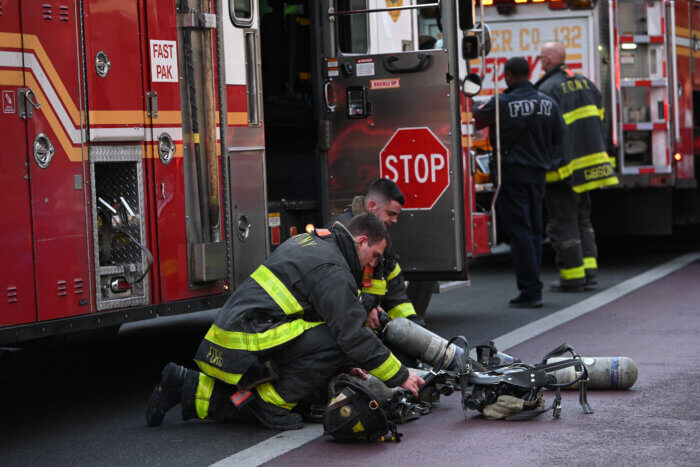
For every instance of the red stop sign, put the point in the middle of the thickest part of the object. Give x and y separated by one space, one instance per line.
419 163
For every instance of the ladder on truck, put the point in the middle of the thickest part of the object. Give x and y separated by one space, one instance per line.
641 81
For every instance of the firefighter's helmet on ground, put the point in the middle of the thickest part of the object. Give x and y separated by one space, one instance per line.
354 414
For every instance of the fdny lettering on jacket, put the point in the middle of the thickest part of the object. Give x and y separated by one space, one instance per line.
526 107
304 240
573 85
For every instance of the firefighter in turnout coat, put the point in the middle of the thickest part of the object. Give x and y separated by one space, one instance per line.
286 331
383 287
580 165
531 127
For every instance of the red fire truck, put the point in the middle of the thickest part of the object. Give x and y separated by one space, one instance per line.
642 55
156 151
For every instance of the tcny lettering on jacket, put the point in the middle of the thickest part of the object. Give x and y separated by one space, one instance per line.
525 107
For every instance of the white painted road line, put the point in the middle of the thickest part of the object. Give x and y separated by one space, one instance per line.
289 440
273 447
598 300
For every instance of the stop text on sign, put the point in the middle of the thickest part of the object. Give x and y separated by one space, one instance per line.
419 163
412 168
163 61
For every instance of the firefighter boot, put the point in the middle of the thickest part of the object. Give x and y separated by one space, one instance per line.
591 282
522 301
166 394
273 417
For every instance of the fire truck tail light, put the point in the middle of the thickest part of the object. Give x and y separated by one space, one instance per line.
557 5
119 285
582 4
503 5
677 157
309 228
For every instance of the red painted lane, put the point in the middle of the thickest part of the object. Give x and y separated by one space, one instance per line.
656 422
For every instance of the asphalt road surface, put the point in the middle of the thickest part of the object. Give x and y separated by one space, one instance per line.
84 403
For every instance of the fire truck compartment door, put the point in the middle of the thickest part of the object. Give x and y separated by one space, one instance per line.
56 169
113 72
17 277
392 116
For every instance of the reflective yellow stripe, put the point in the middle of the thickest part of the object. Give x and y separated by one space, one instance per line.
402 311
601 112
378 287
276 289
589 160
578 164
230 378
590 263
203 395
596 184
269 395
573 273
394 273
388 369
236 340
552 176
580 113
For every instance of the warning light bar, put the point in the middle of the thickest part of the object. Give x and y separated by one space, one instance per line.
553 4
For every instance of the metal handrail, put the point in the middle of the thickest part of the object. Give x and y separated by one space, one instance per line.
497 178
380 10
613 72
674 74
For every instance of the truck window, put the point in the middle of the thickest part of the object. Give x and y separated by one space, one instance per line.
429 28
352 29
241 12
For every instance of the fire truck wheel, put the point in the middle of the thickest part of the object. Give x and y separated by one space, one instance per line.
420 293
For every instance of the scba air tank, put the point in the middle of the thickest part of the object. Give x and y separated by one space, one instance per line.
420 343
603 372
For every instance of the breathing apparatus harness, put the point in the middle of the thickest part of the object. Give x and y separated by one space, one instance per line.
511 391
514 391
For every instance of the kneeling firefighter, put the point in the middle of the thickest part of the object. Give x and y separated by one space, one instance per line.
290 327
383 286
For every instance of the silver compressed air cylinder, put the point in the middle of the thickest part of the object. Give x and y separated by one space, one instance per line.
420 343
603 372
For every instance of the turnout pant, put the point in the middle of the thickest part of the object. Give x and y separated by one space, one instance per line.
571 232
305 364
520 206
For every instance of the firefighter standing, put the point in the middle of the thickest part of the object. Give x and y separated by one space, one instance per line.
531 126
285 332
582 164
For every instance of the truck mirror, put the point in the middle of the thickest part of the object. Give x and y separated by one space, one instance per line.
471 86
466 14
470 47
486 40
474 43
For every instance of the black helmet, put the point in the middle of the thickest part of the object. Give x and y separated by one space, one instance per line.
354 414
